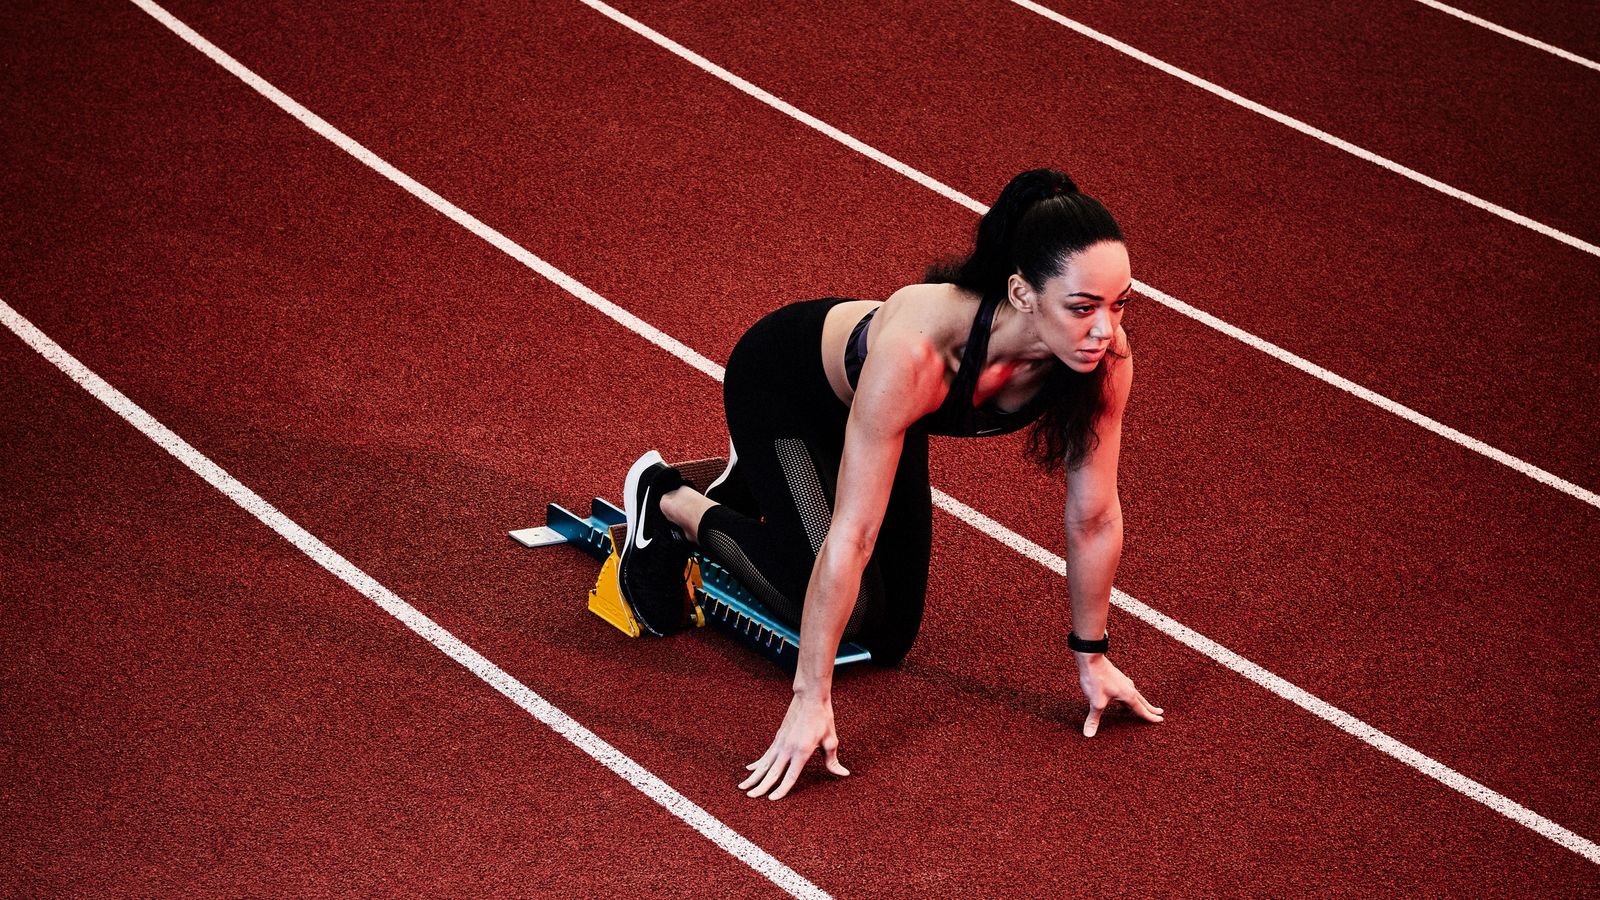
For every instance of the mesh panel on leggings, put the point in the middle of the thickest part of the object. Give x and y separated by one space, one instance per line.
801 473
725 550
816 512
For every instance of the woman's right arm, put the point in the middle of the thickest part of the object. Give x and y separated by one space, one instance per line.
903 380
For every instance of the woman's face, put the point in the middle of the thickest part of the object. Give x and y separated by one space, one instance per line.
1076 313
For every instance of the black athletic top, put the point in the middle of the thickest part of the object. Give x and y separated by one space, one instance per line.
956 417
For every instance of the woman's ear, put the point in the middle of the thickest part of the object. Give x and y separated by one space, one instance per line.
1021 294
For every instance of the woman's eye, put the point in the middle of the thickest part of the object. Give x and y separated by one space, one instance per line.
1082 310
1124 302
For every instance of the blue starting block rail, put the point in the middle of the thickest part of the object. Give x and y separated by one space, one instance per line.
729 606
722 600
591 533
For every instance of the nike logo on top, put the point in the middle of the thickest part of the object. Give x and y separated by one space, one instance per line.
639 540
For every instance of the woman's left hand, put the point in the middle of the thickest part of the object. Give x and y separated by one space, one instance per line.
1104 684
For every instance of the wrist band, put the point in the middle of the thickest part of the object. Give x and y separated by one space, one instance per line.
1080 645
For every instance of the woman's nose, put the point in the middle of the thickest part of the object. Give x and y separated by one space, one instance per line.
1101 330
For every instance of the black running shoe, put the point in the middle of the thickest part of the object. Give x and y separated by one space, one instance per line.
650 572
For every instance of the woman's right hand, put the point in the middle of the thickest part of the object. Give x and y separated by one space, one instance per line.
1104 684
807 726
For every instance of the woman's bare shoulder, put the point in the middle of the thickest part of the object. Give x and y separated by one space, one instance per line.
933 311
922 293
907 368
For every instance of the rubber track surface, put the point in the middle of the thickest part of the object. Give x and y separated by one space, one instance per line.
407 393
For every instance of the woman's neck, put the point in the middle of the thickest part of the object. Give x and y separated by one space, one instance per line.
1013 338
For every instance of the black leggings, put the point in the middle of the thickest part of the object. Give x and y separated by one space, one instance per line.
774 509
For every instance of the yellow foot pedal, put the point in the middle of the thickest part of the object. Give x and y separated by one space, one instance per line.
605 599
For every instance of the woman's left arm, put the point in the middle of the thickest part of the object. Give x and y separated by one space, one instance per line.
1094 546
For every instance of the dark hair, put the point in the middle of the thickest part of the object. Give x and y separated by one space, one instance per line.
1039 222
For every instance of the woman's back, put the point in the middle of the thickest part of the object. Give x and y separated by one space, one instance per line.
943 319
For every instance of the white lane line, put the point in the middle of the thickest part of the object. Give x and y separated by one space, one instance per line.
473 661
466 220
967 514
1308 130
1377 399
1515 36
1233 331
587 741
1299 696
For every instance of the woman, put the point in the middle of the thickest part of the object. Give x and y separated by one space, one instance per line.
825 510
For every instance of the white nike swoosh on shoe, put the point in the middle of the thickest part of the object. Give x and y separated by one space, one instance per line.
639 540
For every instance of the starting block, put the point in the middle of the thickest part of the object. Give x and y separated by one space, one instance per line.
715 596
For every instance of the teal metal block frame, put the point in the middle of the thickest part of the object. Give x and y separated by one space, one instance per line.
727 604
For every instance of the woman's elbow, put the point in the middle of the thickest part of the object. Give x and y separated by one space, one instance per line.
847 548
1096 522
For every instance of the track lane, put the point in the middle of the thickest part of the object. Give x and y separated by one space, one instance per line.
1421 551
1566 24
417 446
195 707
1353 268
1481 113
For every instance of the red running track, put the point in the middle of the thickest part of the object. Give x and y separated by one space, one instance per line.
1474 321
193 707
406 393
1476 110
1572 26
1363 549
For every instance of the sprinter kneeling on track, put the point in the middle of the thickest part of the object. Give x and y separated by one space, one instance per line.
825 510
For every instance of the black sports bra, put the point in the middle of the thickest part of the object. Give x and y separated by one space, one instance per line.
956 417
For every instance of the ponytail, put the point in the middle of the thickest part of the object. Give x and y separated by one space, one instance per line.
1037 224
